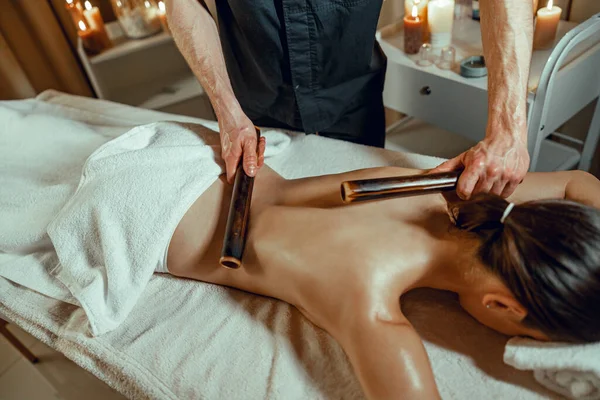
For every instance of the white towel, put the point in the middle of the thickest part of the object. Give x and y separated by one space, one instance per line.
113 233
571 370
32 192
36 190
43 146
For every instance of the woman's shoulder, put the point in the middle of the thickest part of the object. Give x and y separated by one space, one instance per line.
577 185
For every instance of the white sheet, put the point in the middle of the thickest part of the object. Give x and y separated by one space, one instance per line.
187 339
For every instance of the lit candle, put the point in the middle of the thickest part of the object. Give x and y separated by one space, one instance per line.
162 14
422 10
75 10
546 25
413 32
90 38
96 23
440 18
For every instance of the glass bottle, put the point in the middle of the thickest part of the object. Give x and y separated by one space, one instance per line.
138 18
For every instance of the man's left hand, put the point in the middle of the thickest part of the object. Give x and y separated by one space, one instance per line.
495 165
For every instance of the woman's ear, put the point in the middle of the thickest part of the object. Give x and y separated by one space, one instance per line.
504 304
452 200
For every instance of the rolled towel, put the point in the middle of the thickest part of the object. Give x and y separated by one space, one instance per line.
113 233
572 370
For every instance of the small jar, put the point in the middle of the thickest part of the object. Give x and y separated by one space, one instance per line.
138 18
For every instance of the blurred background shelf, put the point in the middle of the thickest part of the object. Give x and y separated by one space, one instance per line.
124 46
149 73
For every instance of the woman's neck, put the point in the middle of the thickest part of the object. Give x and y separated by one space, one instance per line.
453 265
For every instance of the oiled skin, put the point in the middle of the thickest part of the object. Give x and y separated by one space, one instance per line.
343 267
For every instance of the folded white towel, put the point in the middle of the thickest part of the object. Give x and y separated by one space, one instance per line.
113 233
568 369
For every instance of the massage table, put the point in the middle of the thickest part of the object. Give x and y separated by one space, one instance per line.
191 340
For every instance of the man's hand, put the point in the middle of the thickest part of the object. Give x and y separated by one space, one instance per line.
197 38
239 140
495 165
500 161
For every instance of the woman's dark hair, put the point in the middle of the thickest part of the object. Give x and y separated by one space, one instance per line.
547 252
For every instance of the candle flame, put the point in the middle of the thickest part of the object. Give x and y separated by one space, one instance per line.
147 4
119 4
82 26
417 2
415 12
69 2
550 5
161 6
88 6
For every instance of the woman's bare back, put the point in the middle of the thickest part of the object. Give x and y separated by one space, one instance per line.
345 267
306 249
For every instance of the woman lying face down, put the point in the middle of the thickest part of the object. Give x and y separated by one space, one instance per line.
544 261
532 269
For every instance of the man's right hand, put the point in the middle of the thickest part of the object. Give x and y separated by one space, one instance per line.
239 141
197 38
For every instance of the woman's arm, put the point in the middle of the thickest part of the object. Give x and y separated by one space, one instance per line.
390 361
325 192
584 188
579 186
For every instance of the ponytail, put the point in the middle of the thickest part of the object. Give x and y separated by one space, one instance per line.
547 252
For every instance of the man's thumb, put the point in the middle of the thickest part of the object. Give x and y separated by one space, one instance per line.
450 165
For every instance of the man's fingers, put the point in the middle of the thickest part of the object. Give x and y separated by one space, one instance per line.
232 160
484 185
466 183
231 164
509 189
509 183
262 144
498 187
250 157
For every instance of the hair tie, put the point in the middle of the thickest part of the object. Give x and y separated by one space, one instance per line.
507 211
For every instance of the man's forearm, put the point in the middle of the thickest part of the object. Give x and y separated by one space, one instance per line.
196 36
507 32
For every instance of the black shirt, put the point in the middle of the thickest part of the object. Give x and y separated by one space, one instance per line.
308 65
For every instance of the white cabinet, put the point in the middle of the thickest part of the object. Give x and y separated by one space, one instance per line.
447 100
